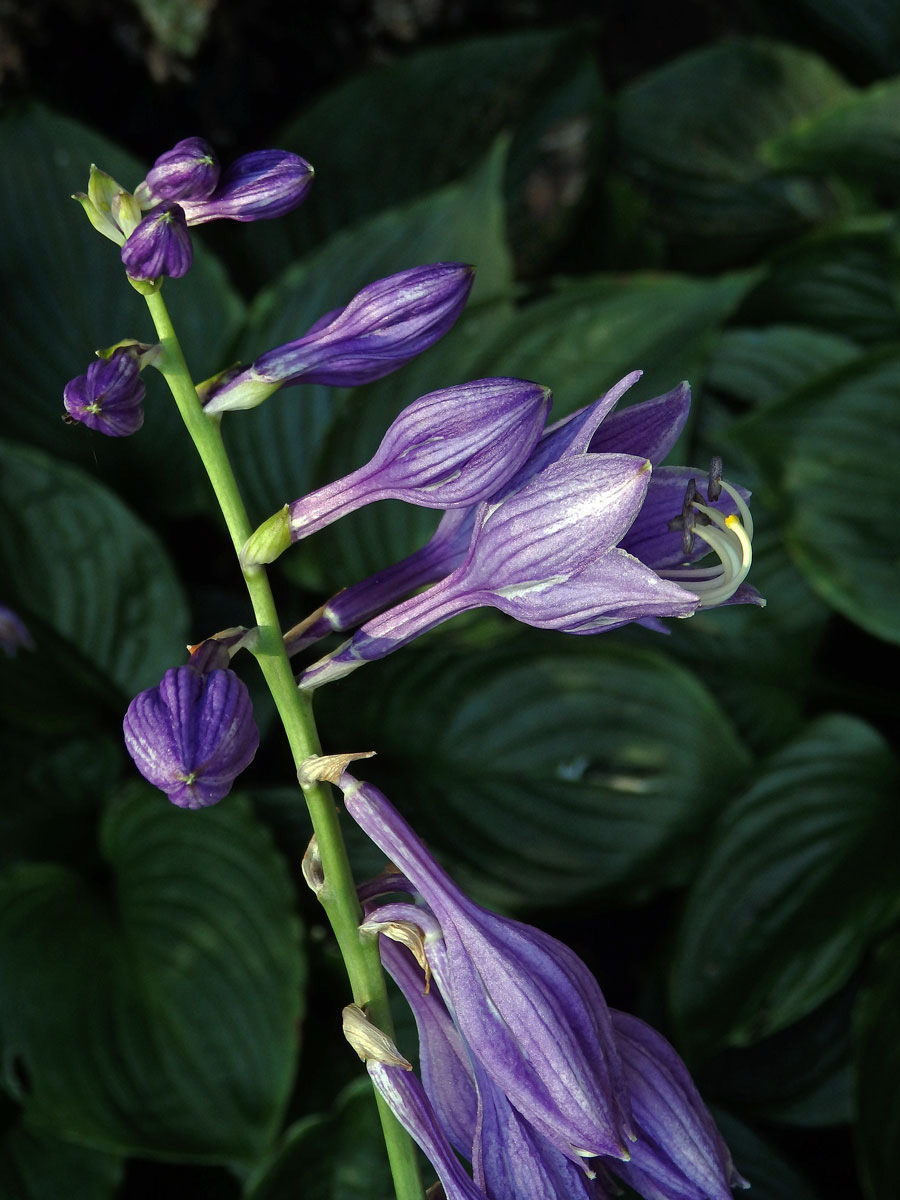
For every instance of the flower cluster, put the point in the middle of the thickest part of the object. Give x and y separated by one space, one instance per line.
525 1071
589 533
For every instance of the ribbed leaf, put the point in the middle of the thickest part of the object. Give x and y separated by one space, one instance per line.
182 986
823 451
800 876
37 1166
548 769
760 366
690 133
877 1068
80 560
67 294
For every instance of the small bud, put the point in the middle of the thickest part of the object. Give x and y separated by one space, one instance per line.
269 541
189 171
160 246
368 1040
311 867
110 396
126 212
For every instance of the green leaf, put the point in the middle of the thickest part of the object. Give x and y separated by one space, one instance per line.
858 139
79 559
690 134
770 1176
275 448
34 1165
817 451
182 983
70 296
761 366
338 1156
800 876
867 29
547 769
844 280
395 132
877 1066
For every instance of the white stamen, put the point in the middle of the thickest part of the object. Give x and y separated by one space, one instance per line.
730 540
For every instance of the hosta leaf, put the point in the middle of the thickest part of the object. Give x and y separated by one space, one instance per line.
37 1166
877 1065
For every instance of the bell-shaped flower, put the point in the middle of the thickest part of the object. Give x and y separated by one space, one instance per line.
538 555
189 171
526 1007
647 430
448 449
109 397
14 633
194 733
679 1153
385 325
160 246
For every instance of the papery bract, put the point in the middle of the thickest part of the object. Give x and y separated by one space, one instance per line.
449 448
192 735
525 1005
385 325
109 397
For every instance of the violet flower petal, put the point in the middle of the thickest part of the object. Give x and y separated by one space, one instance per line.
109 397
14 633
679 1153
256 187
649 429
160 246
192 735
529 1010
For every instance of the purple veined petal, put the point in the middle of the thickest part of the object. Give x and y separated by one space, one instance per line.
679 1153
189 171
511 1160
450 448
649 429
650 538
258 186
447 1073
573 434
409 1104
109 396
607 593
527 1008
192 735
160 246
385 325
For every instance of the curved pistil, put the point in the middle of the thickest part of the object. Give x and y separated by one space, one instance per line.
728 537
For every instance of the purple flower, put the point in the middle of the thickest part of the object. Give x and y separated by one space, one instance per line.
110 396
189 171
384 326
13 633
679 1153
448 449
193 734
526 1007
160 246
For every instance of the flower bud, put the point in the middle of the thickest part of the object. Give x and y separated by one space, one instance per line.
448 449
384 326
160 246
259 186
192 735
110 396
189 171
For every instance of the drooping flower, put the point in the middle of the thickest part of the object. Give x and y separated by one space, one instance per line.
526 1007
14 633
160 246
385 325
109 397
448 449
194 733
679 1153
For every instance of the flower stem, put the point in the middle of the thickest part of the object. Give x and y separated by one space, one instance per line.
338 896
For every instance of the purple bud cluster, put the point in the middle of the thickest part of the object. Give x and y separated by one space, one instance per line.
525 1071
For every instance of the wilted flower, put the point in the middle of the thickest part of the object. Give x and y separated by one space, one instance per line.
110 396
13 632
194 733
384 326
448 449
526 1007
